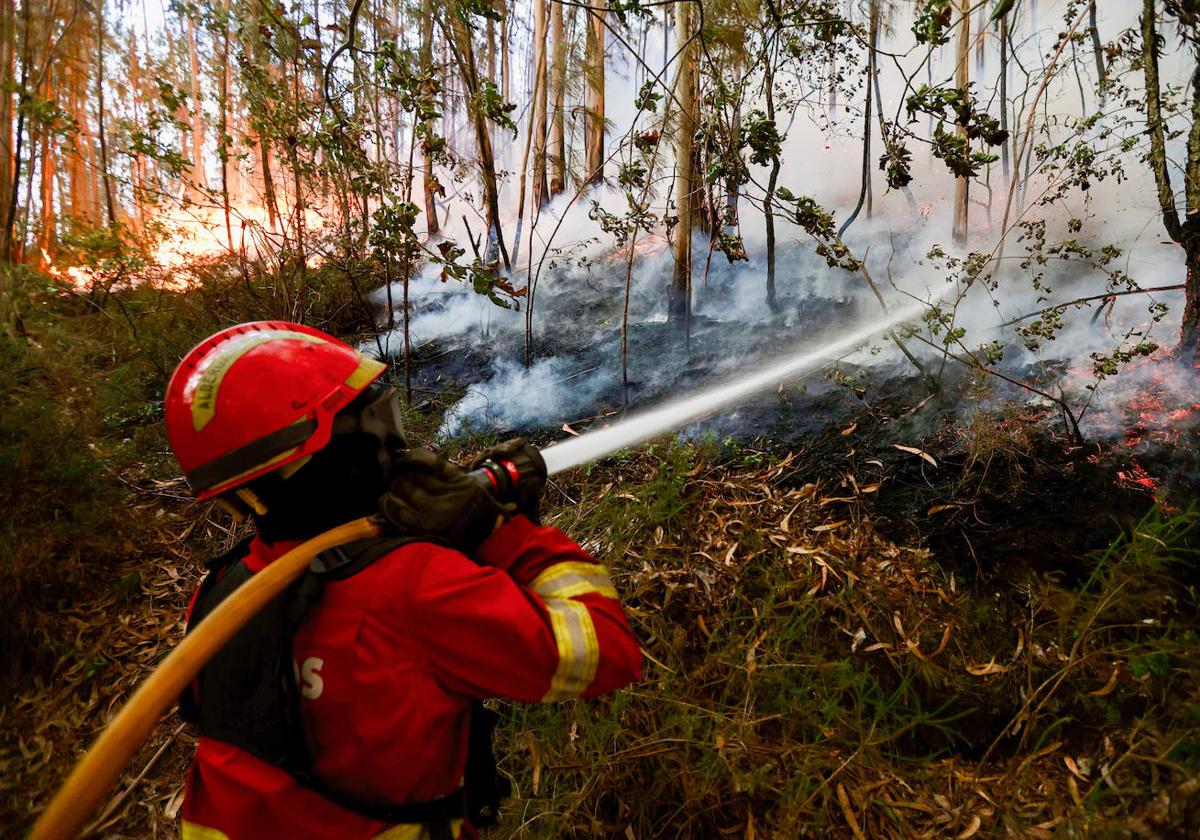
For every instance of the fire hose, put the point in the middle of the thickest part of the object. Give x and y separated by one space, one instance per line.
95 774
78 798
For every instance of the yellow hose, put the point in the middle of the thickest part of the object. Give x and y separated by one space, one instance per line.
77 800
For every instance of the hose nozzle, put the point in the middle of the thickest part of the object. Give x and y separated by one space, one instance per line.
504 475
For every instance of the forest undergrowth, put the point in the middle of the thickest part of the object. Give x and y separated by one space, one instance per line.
986 633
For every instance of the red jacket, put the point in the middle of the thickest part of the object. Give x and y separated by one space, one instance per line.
388 663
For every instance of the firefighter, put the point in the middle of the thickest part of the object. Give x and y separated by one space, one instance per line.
350 707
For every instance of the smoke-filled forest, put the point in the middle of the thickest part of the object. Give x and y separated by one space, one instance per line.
861 339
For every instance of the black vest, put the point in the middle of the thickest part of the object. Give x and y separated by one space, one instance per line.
248 695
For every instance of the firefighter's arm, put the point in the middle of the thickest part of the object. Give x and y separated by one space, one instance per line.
533 618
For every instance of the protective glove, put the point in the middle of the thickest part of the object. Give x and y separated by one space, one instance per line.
528 494
433 498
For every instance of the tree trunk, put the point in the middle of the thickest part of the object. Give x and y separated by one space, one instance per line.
833 91
594 71
873 87
962 186
223 139
505 65
8 200
679 298
729 218
769 198
137 162
82 204
264 158
429 182
558 149
1189 333
1097 51
199 179
464 56
540 102
105 176
864 193
8 34
1185 232
981 17
47 237
490 56
1004 165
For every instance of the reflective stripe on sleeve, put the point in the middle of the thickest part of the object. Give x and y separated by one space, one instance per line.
410 831
578 649
192 831
567 580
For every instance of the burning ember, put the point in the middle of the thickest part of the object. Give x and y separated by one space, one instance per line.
1152 417
1138 475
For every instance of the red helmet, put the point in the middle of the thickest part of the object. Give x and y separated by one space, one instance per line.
257 396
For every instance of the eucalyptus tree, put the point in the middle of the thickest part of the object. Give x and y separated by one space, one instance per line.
1165 109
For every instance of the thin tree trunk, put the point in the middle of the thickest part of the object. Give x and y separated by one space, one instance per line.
490 57
464 55
730 219
980 27
105 176
24 213
223 124
505 64
540 103
8 34
137 162
47 238
679 298
429 182
594 66
833 91
524 169
82 203
769 198
666 27
199 178
962 186
1097 52
864 193
1004 164
558 151
264 157
298 201
873 86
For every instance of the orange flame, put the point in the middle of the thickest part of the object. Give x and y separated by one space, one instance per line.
194 234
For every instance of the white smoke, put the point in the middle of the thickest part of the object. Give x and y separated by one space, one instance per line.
580 286
548 393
